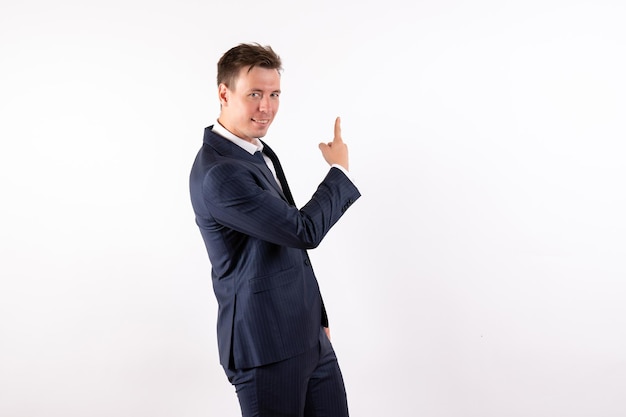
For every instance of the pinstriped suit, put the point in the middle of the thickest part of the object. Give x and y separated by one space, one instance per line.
270 307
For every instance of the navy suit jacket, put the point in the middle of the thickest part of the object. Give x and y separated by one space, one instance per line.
270 307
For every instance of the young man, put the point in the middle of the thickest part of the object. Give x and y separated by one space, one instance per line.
272 327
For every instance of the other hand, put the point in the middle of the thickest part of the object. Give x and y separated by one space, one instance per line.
327 331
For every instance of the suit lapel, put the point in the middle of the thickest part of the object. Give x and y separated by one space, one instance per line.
227 148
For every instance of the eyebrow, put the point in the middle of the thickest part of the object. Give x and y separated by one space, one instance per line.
254 90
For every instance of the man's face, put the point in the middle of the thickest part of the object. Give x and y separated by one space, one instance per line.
249 107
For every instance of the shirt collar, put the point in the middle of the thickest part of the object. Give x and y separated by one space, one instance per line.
227 134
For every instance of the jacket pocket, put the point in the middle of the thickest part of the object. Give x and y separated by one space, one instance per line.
270 281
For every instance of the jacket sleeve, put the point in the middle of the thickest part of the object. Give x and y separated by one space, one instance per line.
239 199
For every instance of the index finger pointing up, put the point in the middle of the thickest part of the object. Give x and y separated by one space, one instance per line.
337 130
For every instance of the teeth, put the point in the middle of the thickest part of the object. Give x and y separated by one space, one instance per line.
260 121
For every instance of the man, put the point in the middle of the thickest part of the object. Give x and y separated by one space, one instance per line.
272 327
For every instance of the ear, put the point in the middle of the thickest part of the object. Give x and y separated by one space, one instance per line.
223 94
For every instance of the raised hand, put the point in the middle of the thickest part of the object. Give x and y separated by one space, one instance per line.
336 152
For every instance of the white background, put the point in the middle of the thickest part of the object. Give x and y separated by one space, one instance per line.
481 274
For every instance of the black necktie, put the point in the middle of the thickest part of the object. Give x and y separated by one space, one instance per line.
279 172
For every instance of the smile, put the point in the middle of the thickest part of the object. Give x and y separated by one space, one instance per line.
262 121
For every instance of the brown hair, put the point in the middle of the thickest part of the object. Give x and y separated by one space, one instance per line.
245 55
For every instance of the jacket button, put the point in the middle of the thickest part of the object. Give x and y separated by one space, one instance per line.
306 262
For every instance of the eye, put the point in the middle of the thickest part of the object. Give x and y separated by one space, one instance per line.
275 95
255 95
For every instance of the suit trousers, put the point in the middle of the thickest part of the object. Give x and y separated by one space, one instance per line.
307 385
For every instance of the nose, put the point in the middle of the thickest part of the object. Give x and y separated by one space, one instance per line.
264 104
